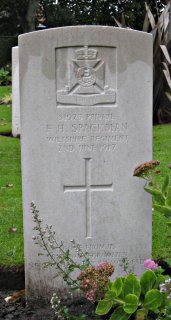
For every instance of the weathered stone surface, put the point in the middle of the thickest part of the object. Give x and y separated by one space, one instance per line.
15 93
86 100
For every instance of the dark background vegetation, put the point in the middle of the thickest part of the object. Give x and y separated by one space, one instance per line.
21 16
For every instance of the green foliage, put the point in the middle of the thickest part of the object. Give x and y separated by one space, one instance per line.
161 192
5 78
59 257
147 281
102 12
131 285
6 44
135 299
5 112
62 311
14 14
161 195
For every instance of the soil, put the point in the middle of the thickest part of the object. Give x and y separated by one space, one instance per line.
21 311
12 280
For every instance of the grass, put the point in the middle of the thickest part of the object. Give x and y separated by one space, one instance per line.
11 243
5 91
162 152
5 113
11 239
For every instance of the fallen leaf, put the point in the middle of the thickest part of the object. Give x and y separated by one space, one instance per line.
15 296
12 229
9 185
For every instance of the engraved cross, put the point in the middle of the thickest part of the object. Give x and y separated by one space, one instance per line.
88 188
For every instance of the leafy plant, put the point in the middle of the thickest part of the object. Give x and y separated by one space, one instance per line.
5 78
131 298
62 311
159 26
161 193
7 99
57 255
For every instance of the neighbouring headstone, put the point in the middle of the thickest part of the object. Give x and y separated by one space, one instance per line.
86 111
15 93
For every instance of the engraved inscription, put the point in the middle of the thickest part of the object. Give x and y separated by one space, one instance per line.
88 188
85 84
87 132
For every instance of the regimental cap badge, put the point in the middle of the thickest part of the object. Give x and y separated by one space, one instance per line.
86 54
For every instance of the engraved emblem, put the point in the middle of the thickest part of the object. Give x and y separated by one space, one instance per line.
86 85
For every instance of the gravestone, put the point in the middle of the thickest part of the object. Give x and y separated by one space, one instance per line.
15 93
86 115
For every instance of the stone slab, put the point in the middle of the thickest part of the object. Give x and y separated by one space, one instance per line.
15 93
86 116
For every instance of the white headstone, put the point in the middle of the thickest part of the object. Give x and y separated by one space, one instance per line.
86 97
15 93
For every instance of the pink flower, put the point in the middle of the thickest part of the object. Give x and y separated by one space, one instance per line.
101 265
91 295
150 264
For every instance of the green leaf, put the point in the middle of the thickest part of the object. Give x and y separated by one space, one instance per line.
103 307
168 261
165 183
66 255
160 280
131 303
163 209
117 286
110 295
119 314
83 267
131 285
153 300
147 281
168 199
158 196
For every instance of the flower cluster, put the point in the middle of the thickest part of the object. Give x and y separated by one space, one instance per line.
150 264
93 280
145 169
166 288
56 305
